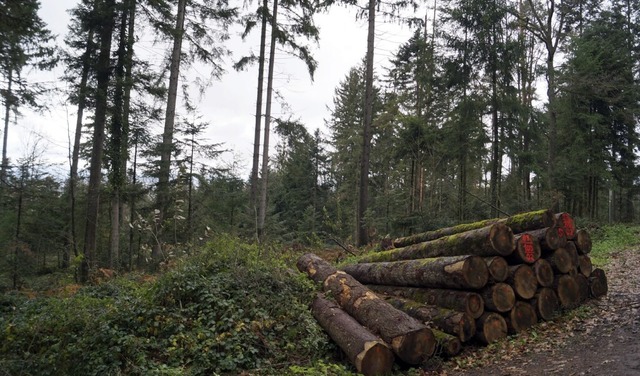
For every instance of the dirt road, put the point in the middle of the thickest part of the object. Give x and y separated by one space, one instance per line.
600 338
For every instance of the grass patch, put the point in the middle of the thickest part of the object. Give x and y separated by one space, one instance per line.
608 239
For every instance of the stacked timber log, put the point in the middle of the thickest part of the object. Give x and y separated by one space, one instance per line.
438 290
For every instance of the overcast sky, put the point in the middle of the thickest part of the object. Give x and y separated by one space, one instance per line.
229 104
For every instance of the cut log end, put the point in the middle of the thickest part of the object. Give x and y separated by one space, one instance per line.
375 359
521 317
499 297
583 242
598 283
527 249
502 239
491 328
475 272
447 345
544 273
523 281
546 304
498 268
567 290
565 221
475 305
585 267
583 287
414 347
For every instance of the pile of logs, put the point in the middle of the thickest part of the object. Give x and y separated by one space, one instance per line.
436 290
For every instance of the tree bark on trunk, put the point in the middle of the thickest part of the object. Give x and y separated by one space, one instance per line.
411 340
8 103
492 240
453 322
523 280
544 273
463 301
458 272
491 327
521 317
367 352
498 298
546 304
446 344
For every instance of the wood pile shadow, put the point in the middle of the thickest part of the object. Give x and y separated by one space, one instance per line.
439 290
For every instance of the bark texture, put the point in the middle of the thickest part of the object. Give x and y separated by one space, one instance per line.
446 344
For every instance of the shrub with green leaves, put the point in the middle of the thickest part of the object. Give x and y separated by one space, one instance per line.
224 310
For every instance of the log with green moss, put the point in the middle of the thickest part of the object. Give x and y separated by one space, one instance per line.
366 351
410 339
585 266
457 272
468 302
491 327
565 221
583 242
560 260
447 320
521 317
498 297
446 344
567 290
518 223
498 268
543 272
523 281
546 304
527 250
493 240
549 238
598 284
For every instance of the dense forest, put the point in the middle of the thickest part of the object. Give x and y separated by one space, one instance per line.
490 108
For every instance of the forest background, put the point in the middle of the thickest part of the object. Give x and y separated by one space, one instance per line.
496 107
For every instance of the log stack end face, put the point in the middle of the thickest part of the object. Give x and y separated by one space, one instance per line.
475 272
415 347
502 239
375 359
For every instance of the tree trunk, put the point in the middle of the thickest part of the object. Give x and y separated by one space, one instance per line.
498 269
549 238
103 73
367 352
546 304
493 240
543 272
518 223
598 284
462 301
458 272
491 328
566 288
527 250
560 260
566 223
498 298
163 199
264 182
447 320
585 267
523 280
8 103
411 340
521 317
583 242
446 344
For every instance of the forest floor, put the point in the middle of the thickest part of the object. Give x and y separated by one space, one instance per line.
602 337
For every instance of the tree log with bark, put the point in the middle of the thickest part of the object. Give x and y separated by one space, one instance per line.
493 240
463 301
546 303
566 288
498 269
498 297
410 340
491 327
544 273
446 344
521 317
560 260
565 221
527 250
367 352
583 242
458 272
549 238
523 280
585 266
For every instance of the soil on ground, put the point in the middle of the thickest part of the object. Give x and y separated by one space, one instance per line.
602 337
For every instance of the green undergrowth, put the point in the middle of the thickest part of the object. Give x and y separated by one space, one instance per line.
608 239
226 310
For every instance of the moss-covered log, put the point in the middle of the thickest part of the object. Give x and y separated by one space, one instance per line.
493 240
521 317
566 288
523 281
560 260
468 302
498 297
546 304
490 327
583 242
518 223
498 269
544 273
410 339
366 351
455 323
527 250
583 288
446 344
565 221
598 284
585 266
549 238
458 272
